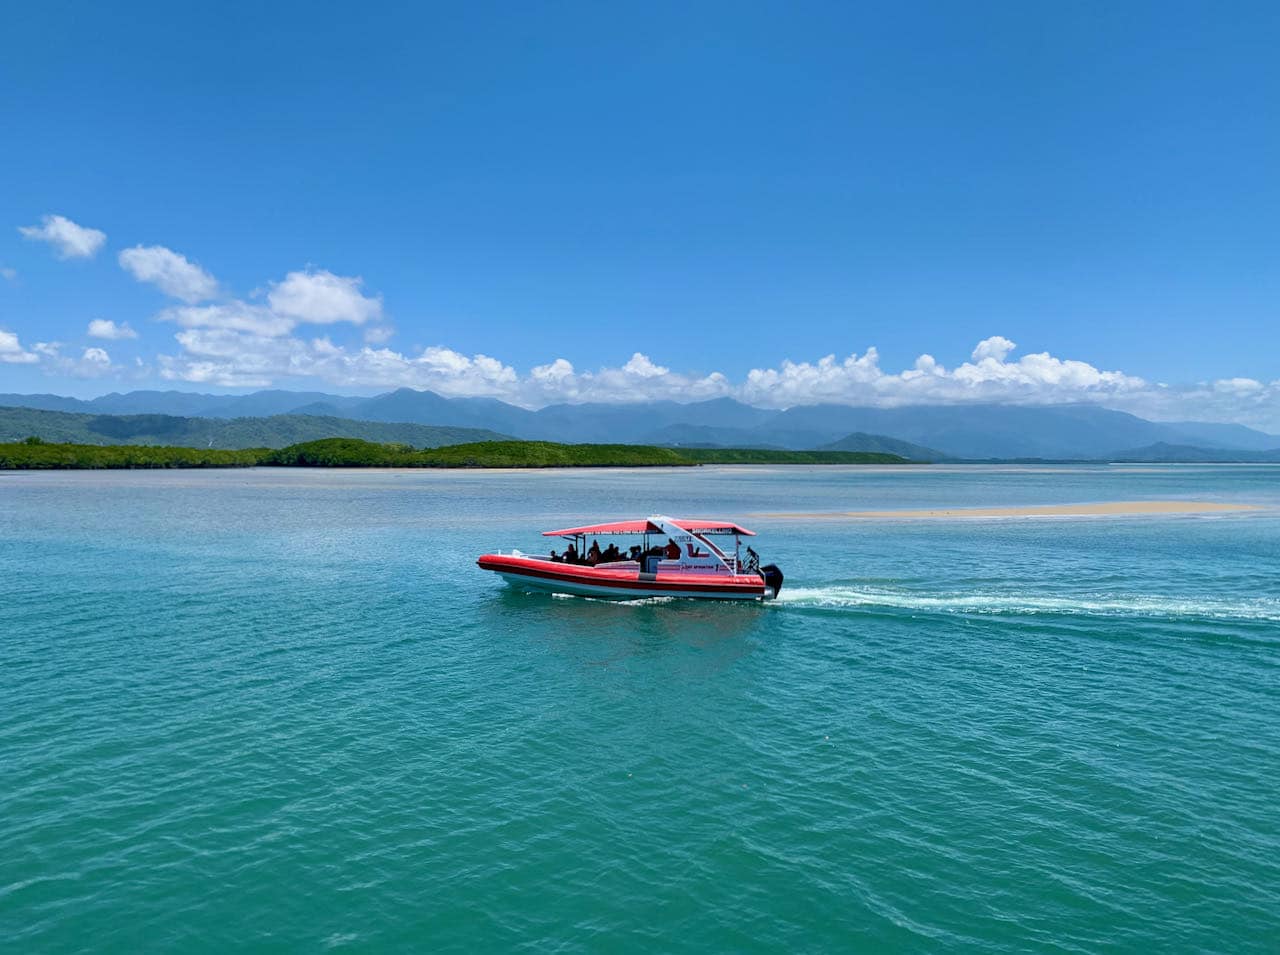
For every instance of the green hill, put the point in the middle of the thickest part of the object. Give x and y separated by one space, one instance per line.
861 441
776 456
340 452
34 453
1189 454
231 433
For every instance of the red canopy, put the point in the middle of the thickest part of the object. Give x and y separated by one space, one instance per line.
694 526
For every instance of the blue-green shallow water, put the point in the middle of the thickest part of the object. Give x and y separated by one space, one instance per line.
285 710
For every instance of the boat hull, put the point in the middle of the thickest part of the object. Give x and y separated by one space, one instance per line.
613 584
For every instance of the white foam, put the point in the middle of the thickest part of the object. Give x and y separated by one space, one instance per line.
638 601
847 597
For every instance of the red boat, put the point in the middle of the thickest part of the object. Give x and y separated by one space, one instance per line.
674 558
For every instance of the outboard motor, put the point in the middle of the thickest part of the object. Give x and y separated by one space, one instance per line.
772 575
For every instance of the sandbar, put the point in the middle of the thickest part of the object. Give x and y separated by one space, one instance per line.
1099 509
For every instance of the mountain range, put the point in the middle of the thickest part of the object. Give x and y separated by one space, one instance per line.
922 432
273 431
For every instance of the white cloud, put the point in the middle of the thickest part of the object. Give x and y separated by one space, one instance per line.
552 375
235 353
92 363
250 344
105 328
172 273
231 357
238 342
1239 386
70 241
1239 400
990 376
12 352
96 358
8 274
996 347
323 298
236 315
642 367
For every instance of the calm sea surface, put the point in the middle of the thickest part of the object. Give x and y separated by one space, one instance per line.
284 709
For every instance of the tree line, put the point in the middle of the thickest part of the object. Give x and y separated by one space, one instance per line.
34 453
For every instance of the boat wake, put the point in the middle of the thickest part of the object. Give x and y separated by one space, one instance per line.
1111 605
638 602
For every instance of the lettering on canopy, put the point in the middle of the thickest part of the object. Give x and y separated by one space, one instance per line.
696 552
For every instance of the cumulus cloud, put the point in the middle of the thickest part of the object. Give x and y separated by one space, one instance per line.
257 343
640 379
92 362
258 320
997 348
239 342
234 357
320 297
1240 400
1239 386
172 273
106 328
239 354
96 358
989 376
69 240
640 366
12 352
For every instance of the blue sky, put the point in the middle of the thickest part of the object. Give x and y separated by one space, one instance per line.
722 188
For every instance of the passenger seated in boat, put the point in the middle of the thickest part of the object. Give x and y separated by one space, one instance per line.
571 554
672 550
636 552
611 553
555 558
593 554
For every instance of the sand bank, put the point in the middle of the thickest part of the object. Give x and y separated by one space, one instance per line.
1100 509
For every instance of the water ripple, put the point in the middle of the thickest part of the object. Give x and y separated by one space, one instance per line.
288 713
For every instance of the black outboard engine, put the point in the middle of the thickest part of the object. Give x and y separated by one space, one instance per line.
772 575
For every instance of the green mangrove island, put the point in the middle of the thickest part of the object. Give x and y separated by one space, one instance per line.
36 454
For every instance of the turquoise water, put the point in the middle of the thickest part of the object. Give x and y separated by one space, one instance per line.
283 709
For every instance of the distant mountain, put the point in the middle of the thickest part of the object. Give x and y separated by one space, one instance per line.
266 403
858 441
156 402
704 436
44 402
972 432
427 407
276 431
1225 435
255 405
979 431
1162 453
642 421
